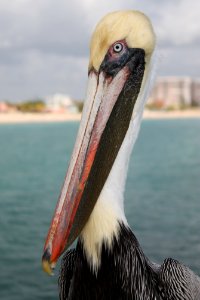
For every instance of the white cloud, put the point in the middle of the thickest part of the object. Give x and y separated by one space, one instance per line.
39 75
44 44
176 22
180 23
180 61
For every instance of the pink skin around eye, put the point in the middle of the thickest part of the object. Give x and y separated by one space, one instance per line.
115 54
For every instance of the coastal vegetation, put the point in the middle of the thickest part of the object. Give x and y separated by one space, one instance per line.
39 106
73 107
31 106
79 105
159 105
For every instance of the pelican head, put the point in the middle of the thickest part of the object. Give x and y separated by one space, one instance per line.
120 55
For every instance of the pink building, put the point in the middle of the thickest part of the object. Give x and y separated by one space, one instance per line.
4 107
176 92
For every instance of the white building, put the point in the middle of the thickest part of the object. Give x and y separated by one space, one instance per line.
60 103
173 91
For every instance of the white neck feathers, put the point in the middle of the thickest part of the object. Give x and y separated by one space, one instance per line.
108 213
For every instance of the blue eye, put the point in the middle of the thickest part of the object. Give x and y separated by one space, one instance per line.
118 47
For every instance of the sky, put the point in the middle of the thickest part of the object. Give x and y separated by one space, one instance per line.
44 44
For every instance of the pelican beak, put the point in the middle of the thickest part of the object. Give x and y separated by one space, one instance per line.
112 93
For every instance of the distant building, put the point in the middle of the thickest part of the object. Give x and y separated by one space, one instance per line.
175 92
60 103
196 92
3 107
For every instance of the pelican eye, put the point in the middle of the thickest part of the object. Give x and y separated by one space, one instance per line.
118 48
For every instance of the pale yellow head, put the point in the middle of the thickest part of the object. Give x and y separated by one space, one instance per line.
133 26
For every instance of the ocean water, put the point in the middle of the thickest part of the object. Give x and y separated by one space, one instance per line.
162 197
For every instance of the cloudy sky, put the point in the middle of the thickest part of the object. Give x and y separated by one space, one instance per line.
44 43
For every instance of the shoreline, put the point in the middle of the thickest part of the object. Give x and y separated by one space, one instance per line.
17 117
176 114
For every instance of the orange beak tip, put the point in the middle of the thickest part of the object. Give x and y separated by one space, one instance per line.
47 268
47 265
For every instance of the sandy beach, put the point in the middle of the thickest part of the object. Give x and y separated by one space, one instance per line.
176 114
17 117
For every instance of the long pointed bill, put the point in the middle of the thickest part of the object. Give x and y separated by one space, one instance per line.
105 121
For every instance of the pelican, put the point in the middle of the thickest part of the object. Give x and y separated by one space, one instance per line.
108 262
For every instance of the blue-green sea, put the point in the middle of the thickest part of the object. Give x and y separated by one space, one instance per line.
162 197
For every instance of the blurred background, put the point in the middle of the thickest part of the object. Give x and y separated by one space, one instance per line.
44 49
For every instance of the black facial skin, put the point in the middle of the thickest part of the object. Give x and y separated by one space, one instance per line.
111 66
114 132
